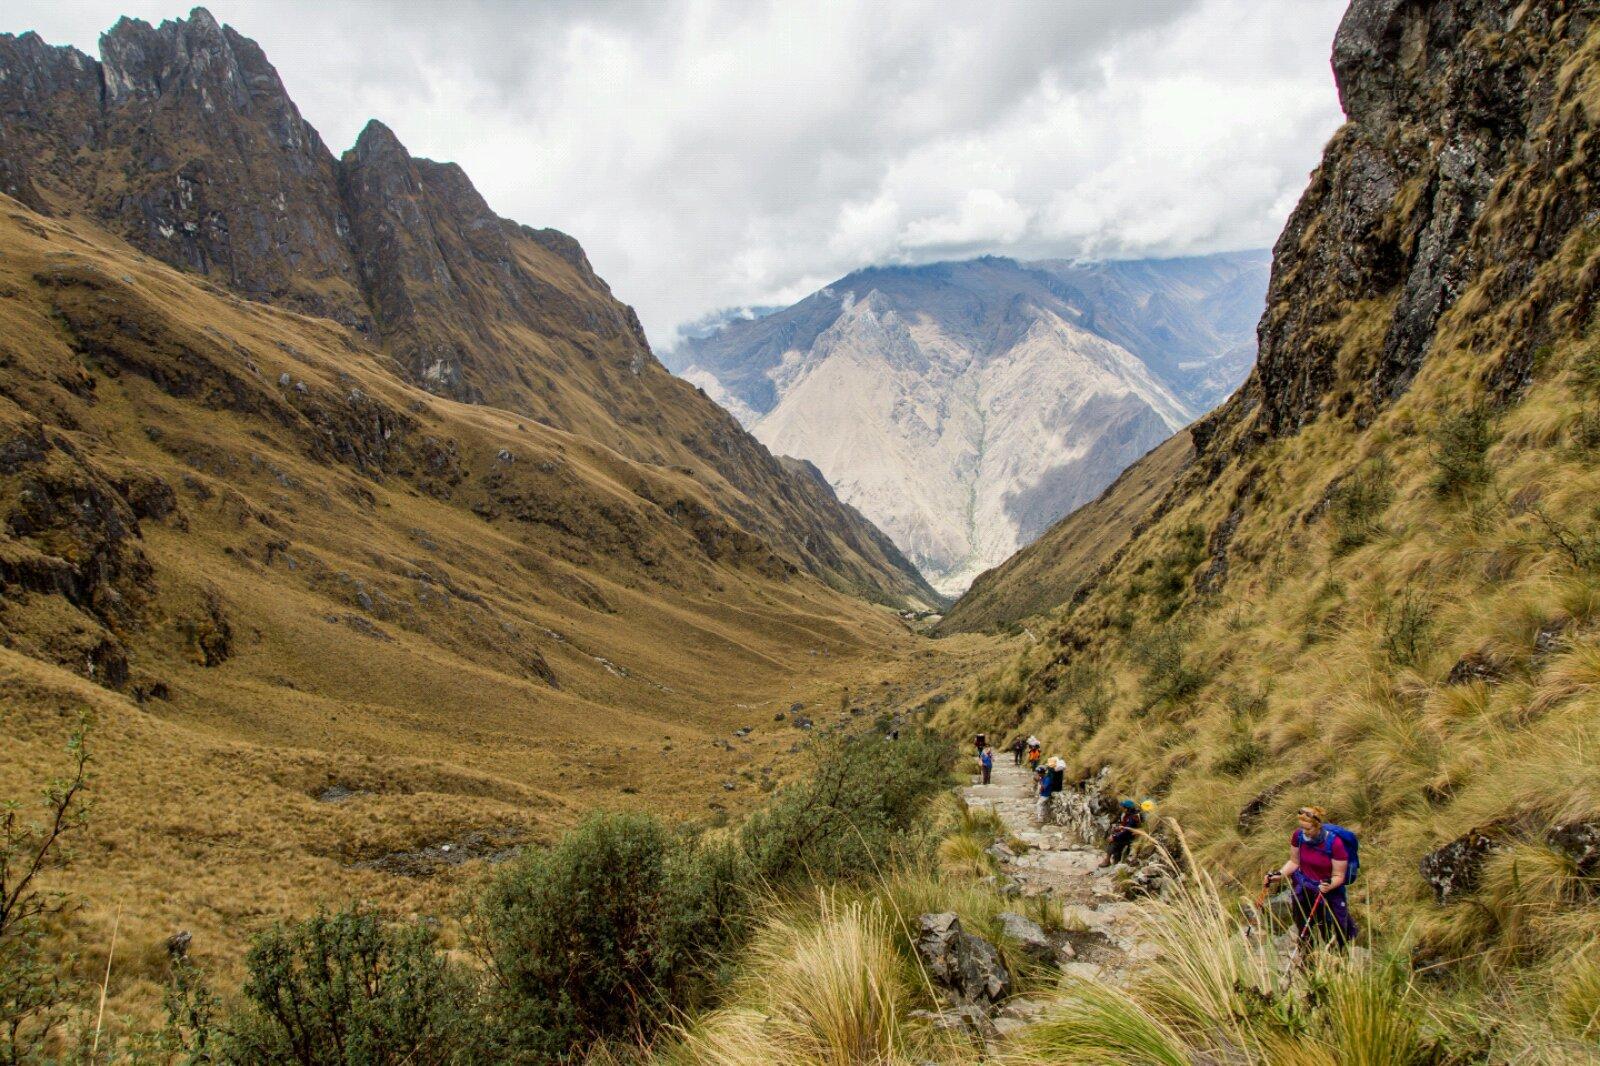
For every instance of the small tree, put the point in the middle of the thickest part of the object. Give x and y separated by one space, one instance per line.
1461 453
34 996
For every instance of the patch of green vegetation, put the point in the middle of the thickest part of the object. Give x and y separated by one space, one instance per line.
1357 504
1460 453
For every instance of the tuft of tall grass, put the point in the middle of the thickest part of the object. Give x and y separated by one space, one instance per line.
824 990
1370 1017
1577 995
965 855
1099 1025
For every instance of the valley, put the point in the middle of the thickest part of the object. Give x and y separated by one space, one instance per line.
461 685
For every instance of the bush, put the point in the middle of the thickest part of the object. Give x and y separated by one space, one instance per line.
1405 629
1356 505
1166 578
844 820
1169 676
348 988
598 936
1460 453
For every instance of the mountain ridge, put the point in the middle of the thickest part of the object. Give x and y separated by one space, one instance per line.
184 140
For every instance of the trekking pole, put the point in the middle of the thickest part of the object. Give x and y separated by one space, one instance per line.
1255 922
1300 941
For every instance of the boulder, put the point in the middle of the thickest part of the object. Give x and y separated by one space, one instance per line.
1028 936
1579 841
968 967
1453 869
999 851
1149 879
1085 810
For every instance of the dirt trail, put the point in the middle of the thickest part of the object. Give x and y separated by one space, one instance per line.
1058 866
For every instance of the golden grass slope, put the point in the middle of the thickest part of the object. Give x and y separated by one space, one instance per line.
1393 612
265 567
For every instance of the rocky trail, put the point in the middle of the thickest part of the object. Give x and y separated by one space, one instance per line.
1062 864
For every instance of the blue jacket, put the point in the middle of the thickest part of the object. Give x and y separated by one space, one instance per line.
986 761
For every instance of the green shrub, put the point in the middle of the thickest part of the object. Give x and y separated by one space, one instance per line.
1405 629
1460 453
35 994
1356 505
600 935
843 821
1165 579
1170 677
347 988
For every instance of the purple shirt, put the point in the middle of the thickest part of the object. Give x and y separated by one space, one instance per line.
1315 862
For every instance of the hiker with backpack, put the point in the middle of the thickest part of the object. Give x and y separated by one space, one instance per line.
1130 819
1047 788
1324 860
1018 746
986 762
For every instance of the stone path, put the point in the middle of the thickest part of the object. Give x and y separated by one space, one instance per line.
1066 870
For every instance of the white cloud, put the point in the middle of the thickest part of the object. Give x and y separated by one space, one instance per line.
713 153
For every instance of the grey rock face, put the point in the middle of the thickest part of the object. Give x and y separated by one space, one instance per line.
968 967
1453 869
1444 100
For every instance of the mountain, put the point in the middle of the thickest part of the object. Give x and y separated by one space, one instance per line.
1068 555
335 628
963 407
182 140
1375 584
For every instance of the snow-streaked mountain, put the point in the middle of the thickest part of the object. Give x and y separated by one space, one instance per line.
964 407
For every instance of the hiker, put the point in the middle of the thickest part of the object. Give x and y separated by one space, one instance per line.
986 760
1033 754
1130 819
1018 746
1322 860
1047 781
1058 774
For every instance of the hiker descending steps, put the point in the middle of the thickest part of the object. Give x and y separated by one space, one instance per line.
1324 860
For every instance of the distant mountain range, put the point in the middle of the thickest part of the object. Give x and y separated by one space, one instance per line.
963 407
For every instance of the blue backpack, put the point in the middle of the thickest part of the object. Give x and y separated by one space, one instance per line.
1352 847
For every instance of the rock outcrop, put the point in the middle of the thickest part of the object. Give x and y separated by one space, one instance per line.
968 967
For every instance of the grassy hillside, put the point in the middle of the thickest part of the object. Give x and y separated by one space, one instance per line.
1377 587
325 623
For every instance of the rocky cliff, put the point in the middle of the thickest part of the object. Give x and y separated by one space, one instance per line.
182 139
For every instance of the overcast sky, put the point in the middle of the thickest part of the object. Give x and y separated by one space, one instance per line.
716 153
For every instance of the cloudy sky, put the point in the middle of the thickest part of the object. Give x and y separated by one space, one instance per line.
716 153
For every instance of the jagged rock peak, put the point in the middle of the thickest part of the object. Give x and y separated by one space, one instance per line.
376 138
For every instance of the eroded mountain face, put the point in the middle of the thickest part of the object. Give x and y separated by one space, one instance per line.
964 407
182 140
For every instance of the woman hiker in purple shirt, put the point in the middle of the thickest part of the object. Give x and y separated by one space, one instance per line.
1318 863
